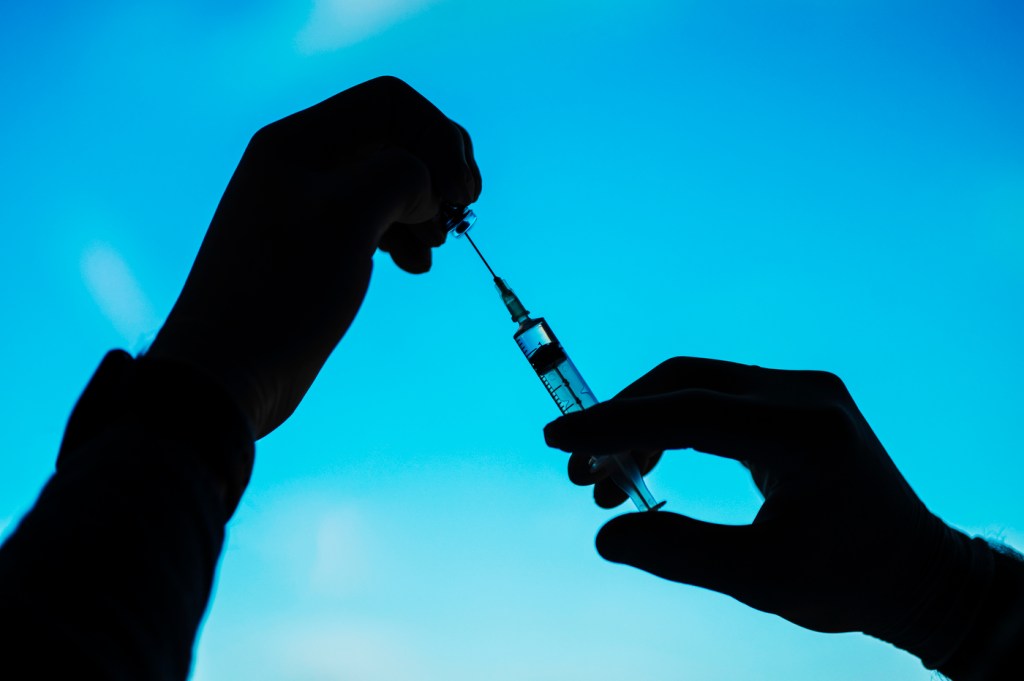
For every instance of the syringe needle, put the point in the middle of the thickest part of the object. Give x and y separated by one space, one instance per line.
480 254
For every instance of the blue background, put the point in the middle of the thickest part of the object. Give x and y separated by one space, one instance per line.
798 184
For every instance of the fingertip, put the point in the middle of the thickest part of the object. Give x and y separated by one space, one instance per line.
607 494
579 470
613 539
459 193
412 261
563 433
554 434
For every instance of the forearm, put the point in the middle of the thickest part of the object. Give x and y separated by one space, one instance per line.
108 576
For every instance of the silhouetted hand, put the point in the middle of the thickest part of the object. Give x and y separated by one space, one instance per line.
841 542
287 258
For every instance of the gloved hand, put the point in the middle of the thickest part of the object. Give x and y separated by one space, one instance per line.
841 542
287 259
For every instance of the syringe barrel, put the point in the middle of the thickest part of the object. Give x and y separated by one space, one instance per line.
570 392
556 371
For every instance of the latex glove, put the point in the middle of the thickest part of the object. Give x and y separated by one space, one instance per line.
287 259
841 542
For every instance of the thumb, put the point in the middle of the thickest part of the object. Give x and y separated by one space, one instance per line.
681 549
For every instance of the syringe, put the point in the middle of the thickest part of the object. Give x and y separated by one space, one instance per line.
557 372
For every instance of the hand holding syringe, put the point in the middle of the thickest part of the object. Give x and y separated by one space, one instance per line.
557 372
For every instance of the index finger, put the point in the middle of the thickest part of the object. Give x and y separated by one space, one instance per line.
681 373
738 427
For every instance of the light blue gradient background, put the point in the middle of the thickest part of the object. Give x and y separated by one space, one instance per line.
797 184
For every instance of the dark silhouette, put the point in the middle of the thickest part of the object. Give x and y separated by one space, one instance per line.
841 542
109 574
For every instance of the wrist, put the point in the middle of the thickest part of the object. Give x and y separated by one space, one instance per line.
943 600
995 636
169 402
193 352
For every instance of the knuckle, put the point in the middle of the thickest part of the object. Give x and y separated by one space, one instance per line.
674 365
392 85
267 137
830 422
828 382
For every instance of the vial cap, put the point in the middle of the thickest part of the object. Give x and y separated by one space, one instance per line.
457 219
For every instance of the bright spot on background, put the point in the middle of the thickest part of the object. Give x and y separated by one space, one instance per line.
117 292
337 23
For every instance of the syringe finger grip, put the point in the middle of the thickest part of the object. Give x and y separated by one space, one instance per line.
624 472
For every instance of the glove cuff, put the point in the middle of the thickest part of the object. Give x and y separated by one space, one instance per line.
943 602
996 635
171 401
